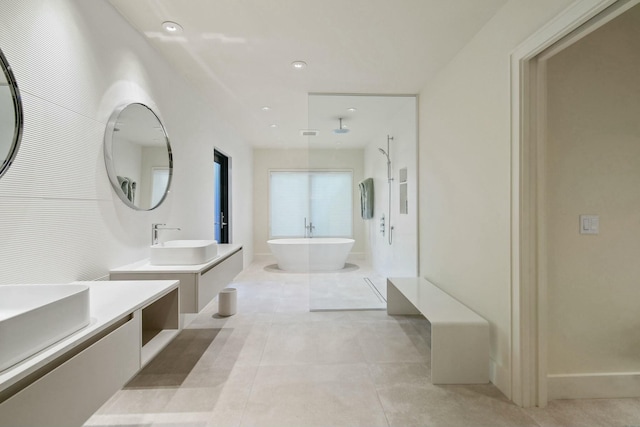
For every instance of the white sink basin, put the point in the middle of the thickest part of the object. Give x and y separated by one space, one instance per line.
183 252
32 317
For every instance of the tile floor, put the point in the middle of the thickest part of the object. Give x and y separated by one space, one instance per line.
356 287
275 363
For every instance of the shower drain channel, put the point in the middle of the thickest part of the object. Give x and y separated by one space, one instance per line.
374 289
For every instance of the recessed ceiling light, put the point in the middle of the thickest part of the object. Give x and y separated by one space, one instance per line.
352 109
172 27
266 108
299 65
273 125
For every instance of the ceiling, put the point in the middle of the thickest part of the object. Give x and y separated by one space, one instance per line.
373 116
238 53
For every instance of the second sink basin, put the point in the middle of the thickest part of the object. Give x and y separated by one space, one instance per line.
183 252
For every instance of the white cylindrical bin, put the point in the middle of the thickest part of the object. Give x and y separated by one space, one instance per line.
227 302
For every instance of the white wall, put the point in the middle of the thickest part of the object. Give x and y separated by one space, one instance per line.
465 173
60 221
401 257
302 159
593 167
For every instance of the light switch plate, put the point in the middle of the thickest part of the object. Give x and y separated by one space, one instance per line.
589 224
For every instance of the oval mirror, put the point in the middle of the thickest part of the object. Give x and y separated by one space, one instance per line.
138 156
10 116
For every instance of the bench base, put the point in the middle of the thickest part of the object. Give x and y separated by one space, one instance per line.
459 337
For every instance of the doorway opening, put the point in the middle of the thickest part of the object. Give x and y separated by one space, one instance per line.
531 384
221 205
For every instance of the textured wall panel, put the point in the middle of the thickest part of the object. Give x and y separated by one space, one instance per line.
51 241
63 51
60 155
57 241
50 53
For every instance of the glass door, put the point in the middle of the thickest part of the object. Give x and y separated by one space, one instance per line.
222 218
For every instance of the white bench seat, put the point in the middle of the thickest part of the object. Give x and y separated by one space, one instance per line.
459 336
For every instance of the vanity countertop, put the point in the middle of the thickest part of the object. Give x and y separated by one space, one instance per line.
225 250
108 303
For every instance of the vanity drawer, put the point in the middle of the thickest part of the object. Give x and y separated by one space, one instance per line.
70 393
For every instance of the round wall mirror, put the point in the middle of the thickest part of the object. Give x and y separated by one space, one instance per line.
138 156
10 116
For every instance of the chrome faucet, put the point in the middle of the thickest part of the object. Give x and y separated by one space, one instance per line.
308 228
154 232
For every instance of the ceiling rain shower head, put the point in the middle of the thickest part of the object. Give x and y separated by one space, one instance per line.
341 130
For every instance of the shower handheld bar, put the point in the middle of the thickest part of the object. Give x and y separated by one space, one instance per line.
389 179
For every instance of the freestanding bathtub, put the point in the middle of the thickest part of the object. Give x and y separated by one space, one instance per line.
314 254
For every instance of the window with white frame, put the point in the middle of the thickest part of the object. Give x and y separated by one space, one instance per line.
321 199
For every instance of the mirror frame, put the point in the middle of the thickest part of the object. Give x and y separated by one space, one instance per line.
18 114
108 155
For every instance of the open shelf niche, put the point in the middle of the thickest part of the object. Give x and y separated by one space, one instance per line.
160 324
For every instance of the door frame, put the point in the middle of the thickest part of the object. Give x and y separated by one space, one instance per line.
528 287
225 184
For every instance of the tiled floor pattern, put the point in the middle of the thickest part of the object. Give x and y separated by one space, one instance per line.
356 287
275 363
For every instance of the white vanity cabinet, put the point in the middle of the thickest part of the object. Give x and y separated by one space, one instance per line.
215 278
199 284
73 391
67 382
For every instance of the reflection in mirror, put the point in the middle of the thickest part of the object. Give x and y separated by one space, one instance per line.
10 116
138 156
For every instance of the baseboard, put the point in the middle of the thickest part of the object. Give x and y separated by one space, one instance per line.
500 376
356 256
264 257
594 386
